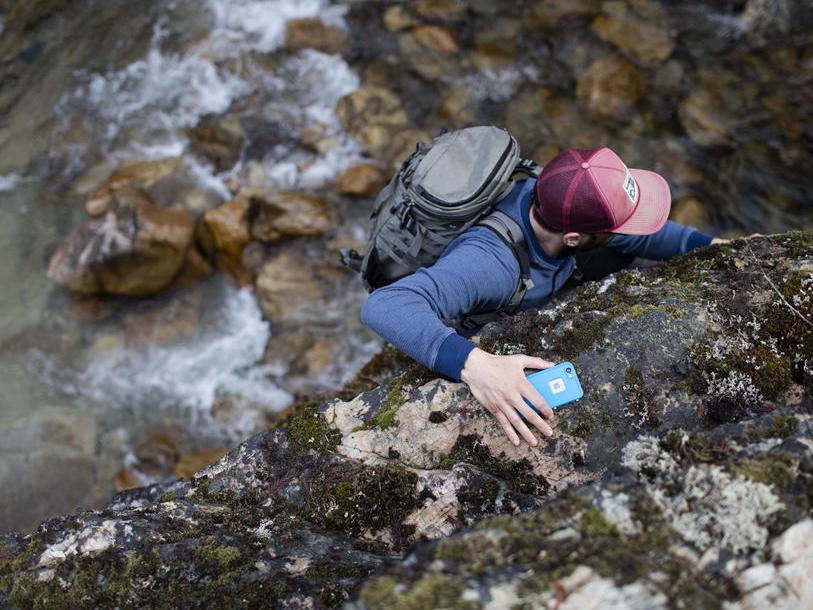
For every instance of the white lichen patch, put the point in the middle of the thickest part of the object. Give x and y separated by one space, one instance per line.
705 505
586 590
644 455
605 284
502 596
615 508
437 516
297 565
92 540
734 386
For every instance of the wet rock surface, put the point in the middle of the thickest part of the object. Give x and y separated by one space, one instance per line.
683 478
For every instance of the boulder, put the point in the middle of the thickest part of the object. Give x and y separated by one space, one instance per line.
373 116
430 50
363 180
610 88
683 478
139 174
549 13
225 233
313 33
642 34
704 116
219 141
690 211
288 288
396 18
135 248
277 215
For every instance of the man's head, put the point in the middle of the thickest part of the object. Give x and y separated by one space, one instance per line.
586 195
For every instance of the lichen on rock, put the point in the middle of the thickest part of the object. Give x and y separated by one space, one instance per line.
668 484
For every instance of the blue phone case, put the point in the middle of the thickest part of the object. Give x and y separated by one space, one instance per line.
559 385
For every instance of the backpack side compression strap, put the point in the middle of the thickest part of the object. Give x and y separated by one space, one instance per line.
511 234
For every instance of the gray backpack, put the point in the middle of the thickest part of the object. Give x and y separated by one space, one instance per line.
438 193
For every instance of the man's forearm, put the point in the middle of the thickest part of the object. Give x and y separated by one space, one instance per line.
410 325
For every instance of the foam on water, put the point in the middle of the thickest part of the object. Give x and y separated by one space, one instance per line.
259 25
9 182
193 375
143 110
306 91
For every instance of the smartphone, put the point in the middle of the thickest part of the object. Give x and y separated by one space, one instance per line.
559 385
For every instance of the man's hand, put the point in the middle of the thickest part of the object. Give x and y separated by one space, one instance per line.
720 240
499 384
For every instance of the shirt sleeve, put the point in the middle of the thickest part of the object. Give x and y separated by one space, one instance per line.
672 239
477 272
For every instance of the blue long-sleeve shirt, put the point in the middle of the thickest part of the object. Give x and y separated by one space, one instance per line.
478 272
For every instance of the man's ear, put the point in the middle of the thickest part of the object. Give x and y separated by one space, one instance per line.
571 240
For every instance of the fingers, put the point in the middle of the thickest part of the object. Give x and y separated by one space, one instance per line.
509 431
532 362
512 415
538 401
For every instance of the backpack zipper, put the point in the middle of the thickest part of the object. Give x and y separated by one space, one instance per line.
429 197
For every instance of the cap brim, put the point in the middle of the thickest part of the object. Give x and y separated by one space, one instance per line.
653 206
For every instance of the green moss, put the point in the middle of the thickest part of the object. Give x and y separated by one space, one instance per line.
218 556
585 419
430 591
167 496
383 368
581 335
775 469
11 565
594 524
308 430
386 416
351 500
640 400
518 474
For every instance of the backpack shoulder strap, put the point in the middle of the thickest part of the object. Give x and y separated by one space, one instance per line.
528 167
511 234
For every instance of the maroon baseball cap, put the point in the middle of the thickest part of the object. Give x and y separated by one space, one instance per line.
592 191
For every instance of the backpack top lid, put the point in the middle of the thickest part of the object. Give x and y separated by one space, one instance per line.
461 165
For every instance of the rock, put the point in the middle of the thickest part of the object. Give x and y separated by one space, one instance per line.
439 9
315 34
610 88
682 478
646 38
161 323
704 117
396 18
364 180
549 13
691 212
219 141
430 50
141 174
281 214
225 234
288 289
545 153
373 116
190 463
136 248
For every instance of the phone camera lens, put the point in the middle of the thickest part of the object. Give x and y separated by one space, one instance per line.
569 370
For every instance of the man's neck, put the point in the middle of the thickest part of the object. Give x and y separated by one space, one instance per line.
551 243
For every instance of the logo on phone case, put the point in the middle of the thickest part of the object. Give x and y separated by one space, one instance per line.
557 386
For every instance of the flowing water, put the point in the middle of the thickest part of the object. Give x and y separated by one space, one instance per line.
130 94
110 81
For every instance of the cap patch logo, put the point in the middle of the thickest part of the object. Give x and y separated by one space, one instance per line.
630 188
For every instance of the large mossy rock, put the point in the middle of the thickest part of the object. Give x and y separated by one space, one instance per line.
684 478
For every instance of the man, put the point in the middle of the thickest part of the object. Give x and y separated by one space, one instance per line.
585 202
